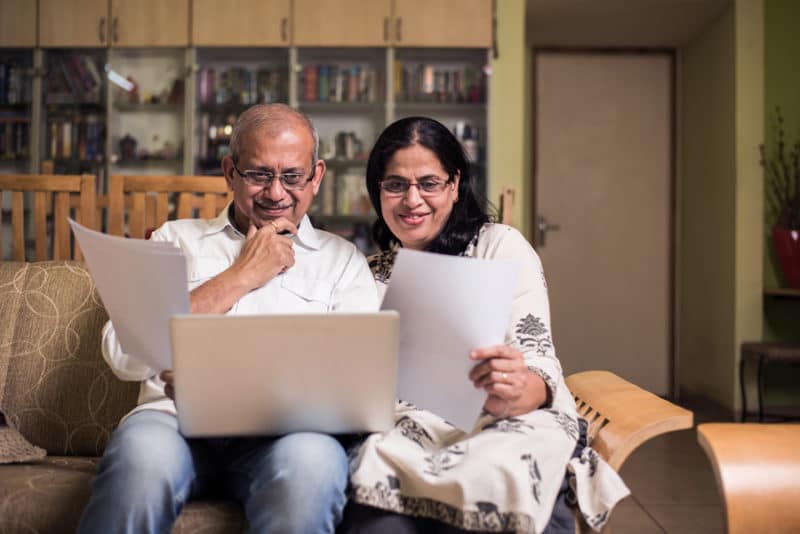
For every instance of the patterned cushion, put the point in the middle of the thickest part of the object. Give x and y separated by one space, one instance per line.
49 495
55 387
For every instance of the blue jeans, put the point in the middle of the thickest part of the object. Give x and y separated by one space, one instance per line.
292 483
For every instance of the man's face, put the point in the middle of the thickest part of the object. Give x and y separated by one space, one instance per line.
288 152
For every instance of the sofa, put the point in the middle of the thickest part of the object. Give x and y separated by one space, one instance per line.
60 398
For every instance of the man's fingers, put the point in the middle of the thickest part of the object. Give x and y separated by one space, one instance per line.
282 225
251 230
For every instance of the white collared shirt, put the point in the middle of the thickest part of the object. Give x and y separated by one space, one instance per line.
329 274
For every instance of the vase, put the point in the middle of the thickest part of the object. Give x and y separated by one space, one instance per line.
787 247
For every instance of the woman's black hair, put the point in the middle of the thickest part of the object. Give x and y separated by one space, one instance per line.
468 215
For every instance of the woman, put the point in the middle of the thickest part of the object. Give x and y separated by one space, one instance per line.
508 472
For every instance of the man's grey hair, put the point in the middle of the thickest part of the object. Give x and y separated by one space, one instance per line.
271 119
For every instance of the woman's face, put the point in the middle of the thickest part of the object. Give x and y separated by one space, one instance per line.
417 216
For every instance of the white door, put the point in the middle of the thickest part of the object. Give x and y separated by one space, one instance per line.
603 173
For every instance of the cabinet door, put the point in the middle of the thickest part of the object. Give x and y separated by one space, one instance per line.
146 23
17 23
240 23
73 23
442 23
341 22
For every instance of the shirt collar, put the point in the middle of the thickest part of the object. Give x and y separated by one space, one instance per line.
307 235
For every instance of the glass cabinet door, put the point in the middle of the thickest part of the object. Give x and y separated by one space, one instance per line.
344 93
147 122
228 81
73 132
16 68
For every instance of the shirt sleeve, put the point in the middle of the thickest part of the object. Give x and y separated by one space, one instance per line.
529 329
125 366
355 290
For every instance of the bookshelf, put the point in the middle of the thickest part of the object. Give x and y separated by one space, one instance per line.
16 97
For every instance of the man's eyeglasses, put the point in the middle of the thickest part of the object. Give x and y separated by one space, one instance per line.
291 181
395 187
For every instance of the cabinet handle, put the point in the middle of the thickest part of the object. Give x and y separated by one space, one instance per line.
284 29
115 29
385 29
398 29
101 30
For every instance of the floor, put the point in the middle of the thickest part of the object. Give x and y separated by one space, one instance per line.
672 486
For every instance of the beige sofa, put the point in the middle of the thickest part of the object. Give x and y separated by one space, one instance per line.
58 392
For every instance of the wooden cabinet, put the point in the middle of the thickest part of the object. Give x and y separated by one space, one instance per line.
442 23
73 23
342 22
241 23
17 23
149 23
88 23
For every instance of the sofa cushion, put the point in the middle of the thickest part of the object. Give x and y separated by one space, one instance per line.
57 390
48 496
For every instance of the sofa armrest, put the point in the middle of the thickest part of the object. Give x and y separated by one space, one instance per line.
621 415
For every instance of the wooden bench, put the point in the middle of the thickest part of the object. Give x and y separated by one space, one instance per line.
757 468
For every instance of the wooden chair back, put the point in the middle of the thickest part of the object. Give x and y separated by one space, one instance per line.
52 194
757 467
621 415
147 202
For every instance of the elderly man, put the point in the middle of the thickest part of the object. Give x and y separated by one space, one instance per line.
260 255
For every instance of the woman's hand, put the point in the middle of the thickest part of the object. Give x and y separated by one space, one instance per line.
512 388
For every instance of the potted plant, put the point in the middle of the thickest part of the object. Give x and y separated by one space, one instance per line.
781 167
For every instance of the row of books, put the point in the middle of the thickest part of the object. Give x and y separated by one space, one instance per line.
242 86
15 86
341 83
343 193
14 137
73 78
438 83
79 137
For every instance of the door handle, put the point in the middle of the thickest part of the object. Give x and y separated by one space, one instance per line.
101 30
542 226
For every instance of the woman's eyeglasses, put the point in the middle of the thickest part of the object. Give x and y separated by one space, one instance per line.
291 181
395 187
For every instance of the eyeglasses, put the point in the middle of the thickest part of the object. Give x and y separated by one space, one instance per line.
395 187
291 181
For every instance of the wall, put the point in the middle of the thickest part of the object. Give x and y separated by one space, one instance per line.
721 201
707 212
509 115
781 83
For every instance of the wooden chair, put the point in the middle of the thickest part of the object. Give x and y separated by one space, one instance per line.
622 416
757 468
51 194
146 201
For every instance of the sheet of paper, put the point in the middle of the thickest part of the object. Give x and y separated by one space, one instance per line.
448 306
142 284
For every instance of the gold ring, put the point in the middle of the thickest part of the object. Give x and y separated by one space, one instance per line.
274 226
505 377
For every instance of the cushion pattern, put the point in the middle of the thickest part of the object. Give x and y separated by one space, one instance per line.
57 390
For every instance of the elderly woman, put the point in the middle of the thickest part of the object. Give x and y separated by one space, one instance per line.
510 472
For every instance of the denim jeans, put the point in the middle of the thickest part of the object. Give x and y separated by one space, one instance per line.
292 483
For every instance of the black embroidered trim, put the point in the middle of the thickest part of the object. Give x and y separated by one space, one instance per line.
444 460
535 476
486 518
381 264
510 424
567 423
412 430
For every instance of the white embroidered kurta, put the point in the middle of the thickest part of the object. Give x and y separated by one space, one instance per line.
505 474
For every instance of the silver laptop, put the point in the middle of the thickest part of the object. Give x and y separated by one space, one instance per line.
272 374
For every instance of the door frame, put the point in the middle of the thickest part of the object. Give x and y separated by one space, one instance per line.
673 252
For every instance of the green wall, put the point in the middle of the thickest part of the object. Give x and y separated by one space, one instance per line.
721 201
509 112
781 88
707 212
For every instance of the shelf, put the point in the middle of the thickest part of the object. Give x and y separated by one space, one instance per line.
342 219
783 293
149 162
147 108
439 108
339 163
341 107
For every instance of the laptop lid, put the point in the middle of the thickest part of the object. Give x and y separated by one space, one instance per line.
273 374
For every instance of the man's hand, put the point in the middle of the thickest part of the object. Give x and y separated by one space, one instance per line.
513 389
169 383
266 252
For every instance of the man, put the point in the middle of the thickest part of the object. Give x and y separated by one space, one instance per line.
260 255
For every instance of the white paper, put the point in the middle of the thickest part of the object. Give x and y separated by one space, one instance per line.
448 306
142 284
